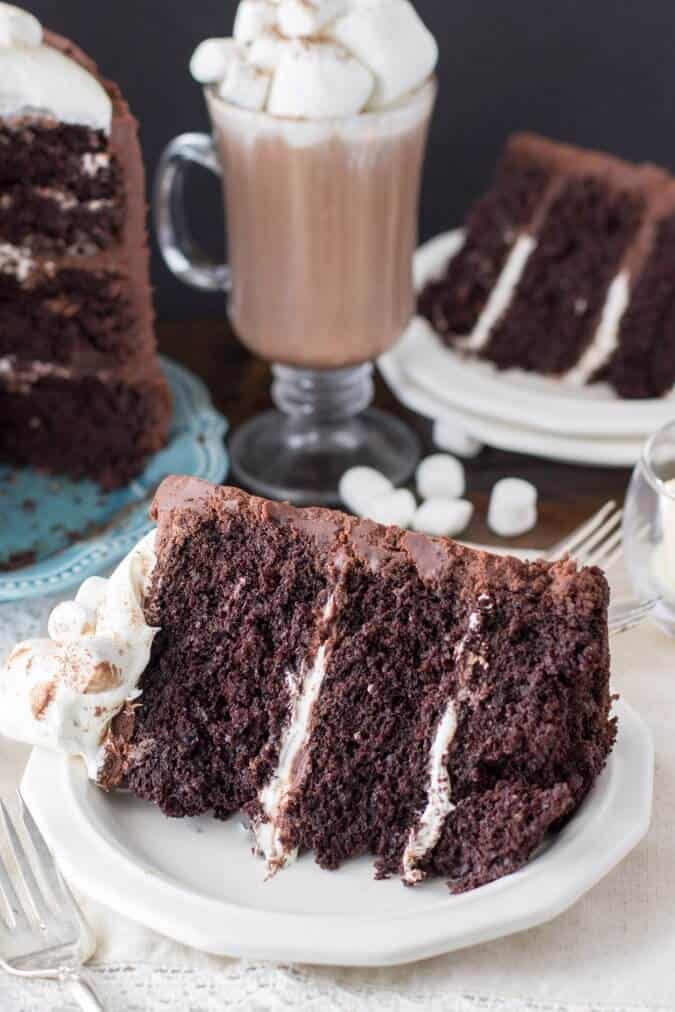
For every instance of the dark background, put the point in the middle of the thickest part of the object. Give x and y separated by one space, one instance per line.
597 72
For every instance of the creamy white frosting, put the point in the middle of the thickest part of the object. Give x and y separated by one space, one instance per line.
425 835
63 692
606 338
322 59
36 78
502 293
304 688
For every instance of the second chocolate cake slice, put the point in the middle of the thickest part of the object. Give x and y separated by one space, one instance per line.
359 689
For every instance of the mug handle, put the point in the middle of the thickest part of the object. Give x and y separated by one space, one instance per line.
182 255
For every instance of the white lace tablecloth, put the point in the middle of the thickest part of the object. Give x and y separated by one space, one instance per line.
614 950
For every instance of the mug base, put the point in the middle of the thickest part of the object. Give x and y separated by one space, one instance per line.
286 459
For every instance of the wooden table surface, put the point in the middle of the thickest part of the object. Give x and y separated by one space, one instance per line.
239 384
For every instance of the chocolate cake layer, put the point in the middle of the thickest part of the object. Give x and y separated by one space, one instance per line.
43 152
77 317
359 689
51 220
83 427
580 292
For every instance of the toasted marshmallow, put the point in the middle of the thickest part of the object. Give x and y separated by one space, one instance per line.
245 85
253 18
212 58
318 81
389 37
302 18
265 53
18 27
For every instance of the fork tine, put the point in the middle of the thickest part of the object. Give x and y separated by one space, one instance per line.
599 537
16 868
6 912
42 862
604 550
570 543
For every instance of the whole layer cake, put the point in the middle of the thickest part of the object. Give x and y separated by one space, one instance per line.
350 688
567 268
81 390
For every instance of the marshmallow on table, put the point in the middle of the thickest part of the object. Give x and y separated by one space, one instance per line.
245 85
389 37
18 27
393 508
298 18
513 507
360 485
253 17
318 80
212 58
440 476
443 517
447 436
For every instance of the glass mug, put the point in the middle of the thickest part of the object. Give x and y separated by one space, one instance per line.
321 221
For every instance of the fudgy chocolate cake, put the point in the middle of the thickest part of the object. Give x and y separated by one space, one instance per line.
81 389
567 269
359 689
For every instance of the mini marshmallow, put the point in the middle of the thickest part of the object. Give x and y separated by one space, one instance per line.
360 485
448 437
443 517
393 508
212 58
440 476
301 18
266 51
253 18
245 86
18 27
318 81
513 507
389 37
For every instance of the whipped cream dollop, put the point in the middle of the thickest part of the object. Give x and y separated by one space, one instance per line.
318 59
63 692
36 78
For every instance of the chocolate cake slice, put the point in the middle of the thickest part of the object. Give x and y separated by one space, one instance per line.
81 389
566 270
356 689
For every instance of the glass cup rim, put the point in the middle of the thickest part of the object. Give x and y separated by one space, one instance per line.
428 86
646 462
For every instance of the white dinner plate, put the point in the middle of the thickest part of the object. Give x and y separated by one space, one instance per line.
513 396
196 881
604 452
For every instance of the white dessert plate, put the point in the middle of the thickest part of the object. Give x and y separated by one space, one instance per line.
196 881
513 396
603 452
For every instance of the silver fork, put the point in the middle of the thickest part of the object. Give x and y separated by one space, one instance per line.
598 543
42 933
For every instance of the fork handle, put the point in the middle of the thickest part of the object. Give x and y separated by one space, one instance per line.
83 993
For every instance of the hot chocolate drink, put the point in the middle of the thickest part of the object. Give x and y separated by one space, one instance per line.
320 111
322 224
